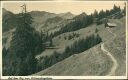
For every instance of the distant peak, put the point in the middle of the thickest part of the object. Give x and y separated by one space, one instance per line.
4 9
6 12
80 16
69 13
66 15
83 13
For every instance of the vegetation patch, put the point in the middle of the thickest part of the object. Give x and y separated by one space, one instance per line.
78 47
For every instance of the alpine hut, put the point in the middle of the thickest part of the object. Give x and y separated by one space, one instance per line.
110 25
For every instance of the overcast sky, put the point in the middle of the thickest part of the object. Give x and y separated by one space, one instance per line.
75 7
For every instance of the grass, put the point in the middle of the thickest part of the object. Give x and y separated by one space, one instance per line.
90 62
118 47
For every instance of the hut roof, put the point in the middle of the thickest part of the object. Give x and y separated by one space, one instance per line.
111 24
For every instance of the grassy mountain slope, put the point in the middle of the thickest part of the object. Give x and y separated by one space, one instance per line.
54 24
67 15
8 21
6 38
41 21
39 18
93 61
118 46
85 63
60 42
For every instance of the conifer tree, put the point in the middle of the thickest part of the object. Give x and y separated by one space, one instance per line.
95 15
23 44
4 52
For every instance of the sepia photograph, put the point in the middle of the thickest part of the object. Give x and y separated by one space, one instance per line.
68 38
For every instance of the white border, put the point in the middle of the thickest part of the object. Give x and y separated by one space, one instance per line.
126 38
59 77
0 39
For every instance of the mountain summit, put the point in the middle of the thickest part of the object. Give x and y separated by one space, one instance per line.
67 15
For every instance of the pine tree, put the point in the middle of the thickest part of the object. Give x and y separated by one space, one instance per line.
51 43
4 52
23 44
23 39
31 64
101 14
95 15
107 12
116 8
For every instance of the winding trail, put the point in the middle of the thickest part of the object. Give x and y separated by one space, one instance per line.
115 64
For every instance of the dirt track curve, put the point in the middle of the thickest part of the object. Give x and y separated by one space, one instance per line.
115 64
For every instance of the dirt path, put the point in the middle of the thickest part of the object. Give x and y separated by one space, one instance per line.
114 35
113 69
115 64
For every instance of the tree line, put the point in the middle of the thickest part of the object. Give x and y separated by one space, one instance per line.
83 20
76 48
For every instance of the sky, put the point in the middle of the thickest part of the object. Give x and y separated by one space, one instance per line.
75 7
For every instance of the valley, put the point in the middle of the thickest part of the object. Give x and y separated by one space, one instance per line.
65 44
102 57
